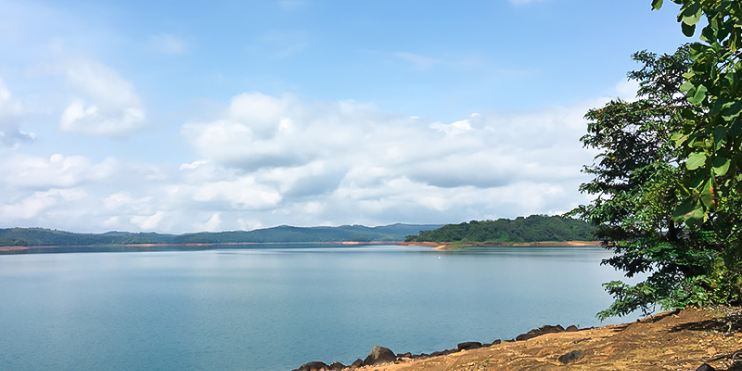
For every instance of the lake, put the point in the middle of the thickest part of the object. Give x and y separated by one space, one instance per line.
276 307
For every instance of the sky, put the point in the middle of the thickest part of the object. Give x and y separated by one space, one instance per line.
186 116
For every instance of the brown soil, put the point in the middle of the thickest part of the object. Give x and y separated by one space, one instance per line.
449 245
681 340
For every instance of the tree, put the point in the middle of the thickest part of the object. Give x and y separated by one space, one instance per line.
711 140
668 179
634 184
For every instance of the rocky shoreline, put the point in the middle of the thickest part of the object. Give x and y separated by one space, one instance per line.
381 355
692 339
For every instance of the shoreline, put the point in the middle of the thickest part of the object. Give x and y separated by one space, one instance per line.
21 249
675 340
151 246
456 246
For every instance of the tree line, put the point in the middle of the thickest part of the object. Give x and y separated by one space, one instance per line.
51 237
535 228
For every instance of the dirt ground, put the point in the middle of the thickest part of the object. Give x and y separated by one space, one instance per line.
681 340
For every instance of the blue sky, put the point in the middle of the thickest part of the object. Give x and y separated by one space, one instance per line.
223 115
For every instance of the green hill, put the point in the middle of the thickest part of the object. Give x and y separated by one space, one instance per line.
49 237
535 228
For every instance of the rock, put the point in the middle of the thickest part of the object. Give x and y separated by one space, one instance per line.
469 345
705 367
572 356
529 335
313 366
357 363
546 329
404 355
336 366
441 353
497 342
379 355
572 328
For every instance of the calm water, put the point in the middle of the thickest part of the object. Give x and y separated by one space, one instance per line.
279 307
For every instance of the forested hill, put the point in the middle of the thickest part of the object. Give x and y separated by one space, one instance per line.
535 228
49 237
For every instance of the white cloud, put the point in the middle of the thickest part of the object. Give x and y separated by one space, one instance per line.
627 90
292 162
57 171
114 109
148 222
212 225
34 205
11 112
167 44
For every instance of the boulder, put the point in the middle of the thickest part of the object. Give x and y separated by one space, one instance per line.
705 367
357 363
336 366
572 328
313 366
528 335
546 329
469 345
572 356
379 355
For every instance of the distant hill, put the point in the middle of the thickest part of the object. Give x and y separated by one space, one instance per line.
535 228
49 237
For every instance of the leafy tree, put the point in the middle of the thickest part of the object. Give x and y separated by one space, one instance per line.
534 228
668 178
711 144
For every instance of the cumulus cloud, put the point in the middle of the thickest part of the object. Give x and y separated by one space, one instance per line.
38 203
148 222
212 225
56 171
112 107
268 160
296 162
627 90
11 112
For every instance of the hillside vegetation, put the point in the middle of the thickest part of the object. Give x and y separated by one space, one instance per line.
535 228
49 237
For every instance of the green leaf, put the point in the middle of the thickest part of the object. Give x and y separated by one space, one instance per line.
697 94
686 86
721 165
692 14
732 111
720 134
696 160
679 138
736 129
656 4
688 30
690 212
